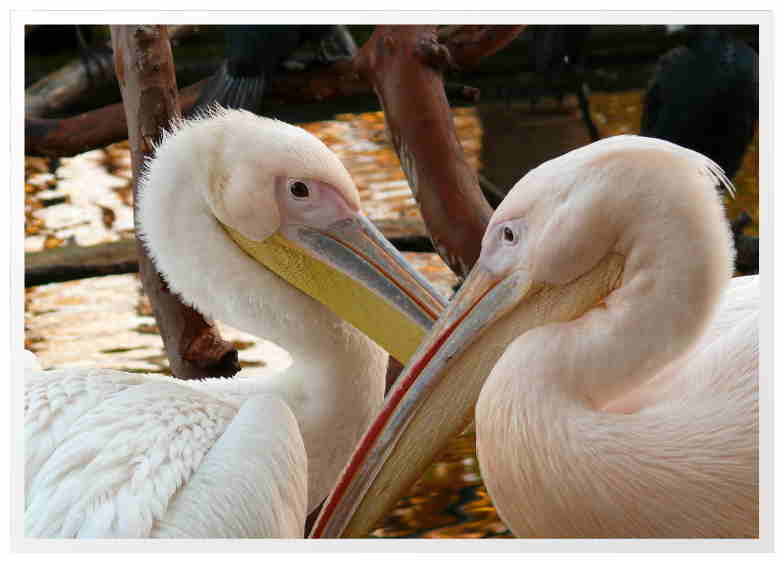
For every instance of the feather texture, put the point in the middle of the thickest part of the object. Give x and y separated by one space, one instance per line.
639 418
110 449
112 454
681 461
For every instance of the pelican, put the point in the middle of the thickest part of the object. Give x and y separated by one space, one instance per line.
255 222
611 359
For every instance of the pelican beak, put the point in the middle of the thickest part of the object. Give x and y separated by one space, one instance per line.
352 269
434 398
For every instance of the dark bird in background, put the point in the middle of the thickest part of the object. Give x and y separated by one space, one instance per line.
705 96
254 52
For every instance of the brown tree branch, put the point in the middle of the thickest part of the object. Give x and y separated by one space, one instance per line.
58 90
469 44
338 79
55 92
145 72
94 129
70 136
80 262
405 64
70 263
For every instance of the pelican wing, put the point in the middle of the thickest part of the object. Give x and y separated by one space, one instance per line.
54 401
251 484
106 451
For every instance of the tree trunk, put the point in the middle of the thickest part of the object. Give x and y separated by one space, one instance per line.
405 66
145 72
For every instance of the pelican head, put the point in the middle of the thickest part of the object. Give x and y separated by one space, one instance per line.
266 175
288 202
630 212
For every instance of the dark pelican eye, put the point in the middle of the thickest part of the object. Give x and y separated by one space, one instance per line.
508 234
300 190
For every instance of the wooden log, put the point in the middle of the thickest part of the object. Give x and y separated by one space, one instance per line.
61 88
405 65
71 263
69 85
70 136
145 72
468 45
79 262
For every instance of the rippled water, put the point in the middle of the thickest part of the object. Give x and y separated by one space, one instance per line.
107 322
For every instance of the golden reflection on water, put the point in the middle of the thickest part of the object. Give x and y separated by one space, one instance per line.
107 322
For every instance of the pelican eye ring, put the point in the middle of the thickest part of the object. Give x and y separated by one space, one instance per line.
300 190
508 234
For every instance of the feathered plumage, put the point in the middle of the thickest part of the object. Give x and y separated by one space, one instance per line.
111 454
611 358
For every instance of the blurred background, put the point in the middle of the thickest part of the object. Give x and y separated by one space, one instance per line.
555 88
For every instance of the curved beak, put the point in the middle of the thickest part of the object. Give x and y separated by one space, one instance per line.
352 269
433 399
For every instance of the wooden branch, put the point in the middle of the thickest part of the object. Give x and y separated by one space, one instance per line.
95 129
80 262
469 44
70 136
68 85
74 135
145 72
71 263
500 78
61 88
319 83
405 64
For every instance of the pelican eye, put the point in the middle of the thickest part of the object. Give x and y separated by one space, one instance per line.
299 190
507 234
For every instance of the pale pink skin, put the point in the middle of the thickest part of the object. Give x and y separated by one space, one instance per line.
323 206
639 419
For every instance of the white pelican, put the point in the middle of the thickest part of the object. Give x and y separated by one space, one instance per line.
111 454
622 397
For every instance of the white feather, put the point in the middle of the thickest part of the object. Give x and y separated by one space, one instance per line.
112 454
639 418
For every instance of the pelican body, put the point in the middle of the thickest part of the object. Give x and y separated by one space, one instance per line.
611 358
257 223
